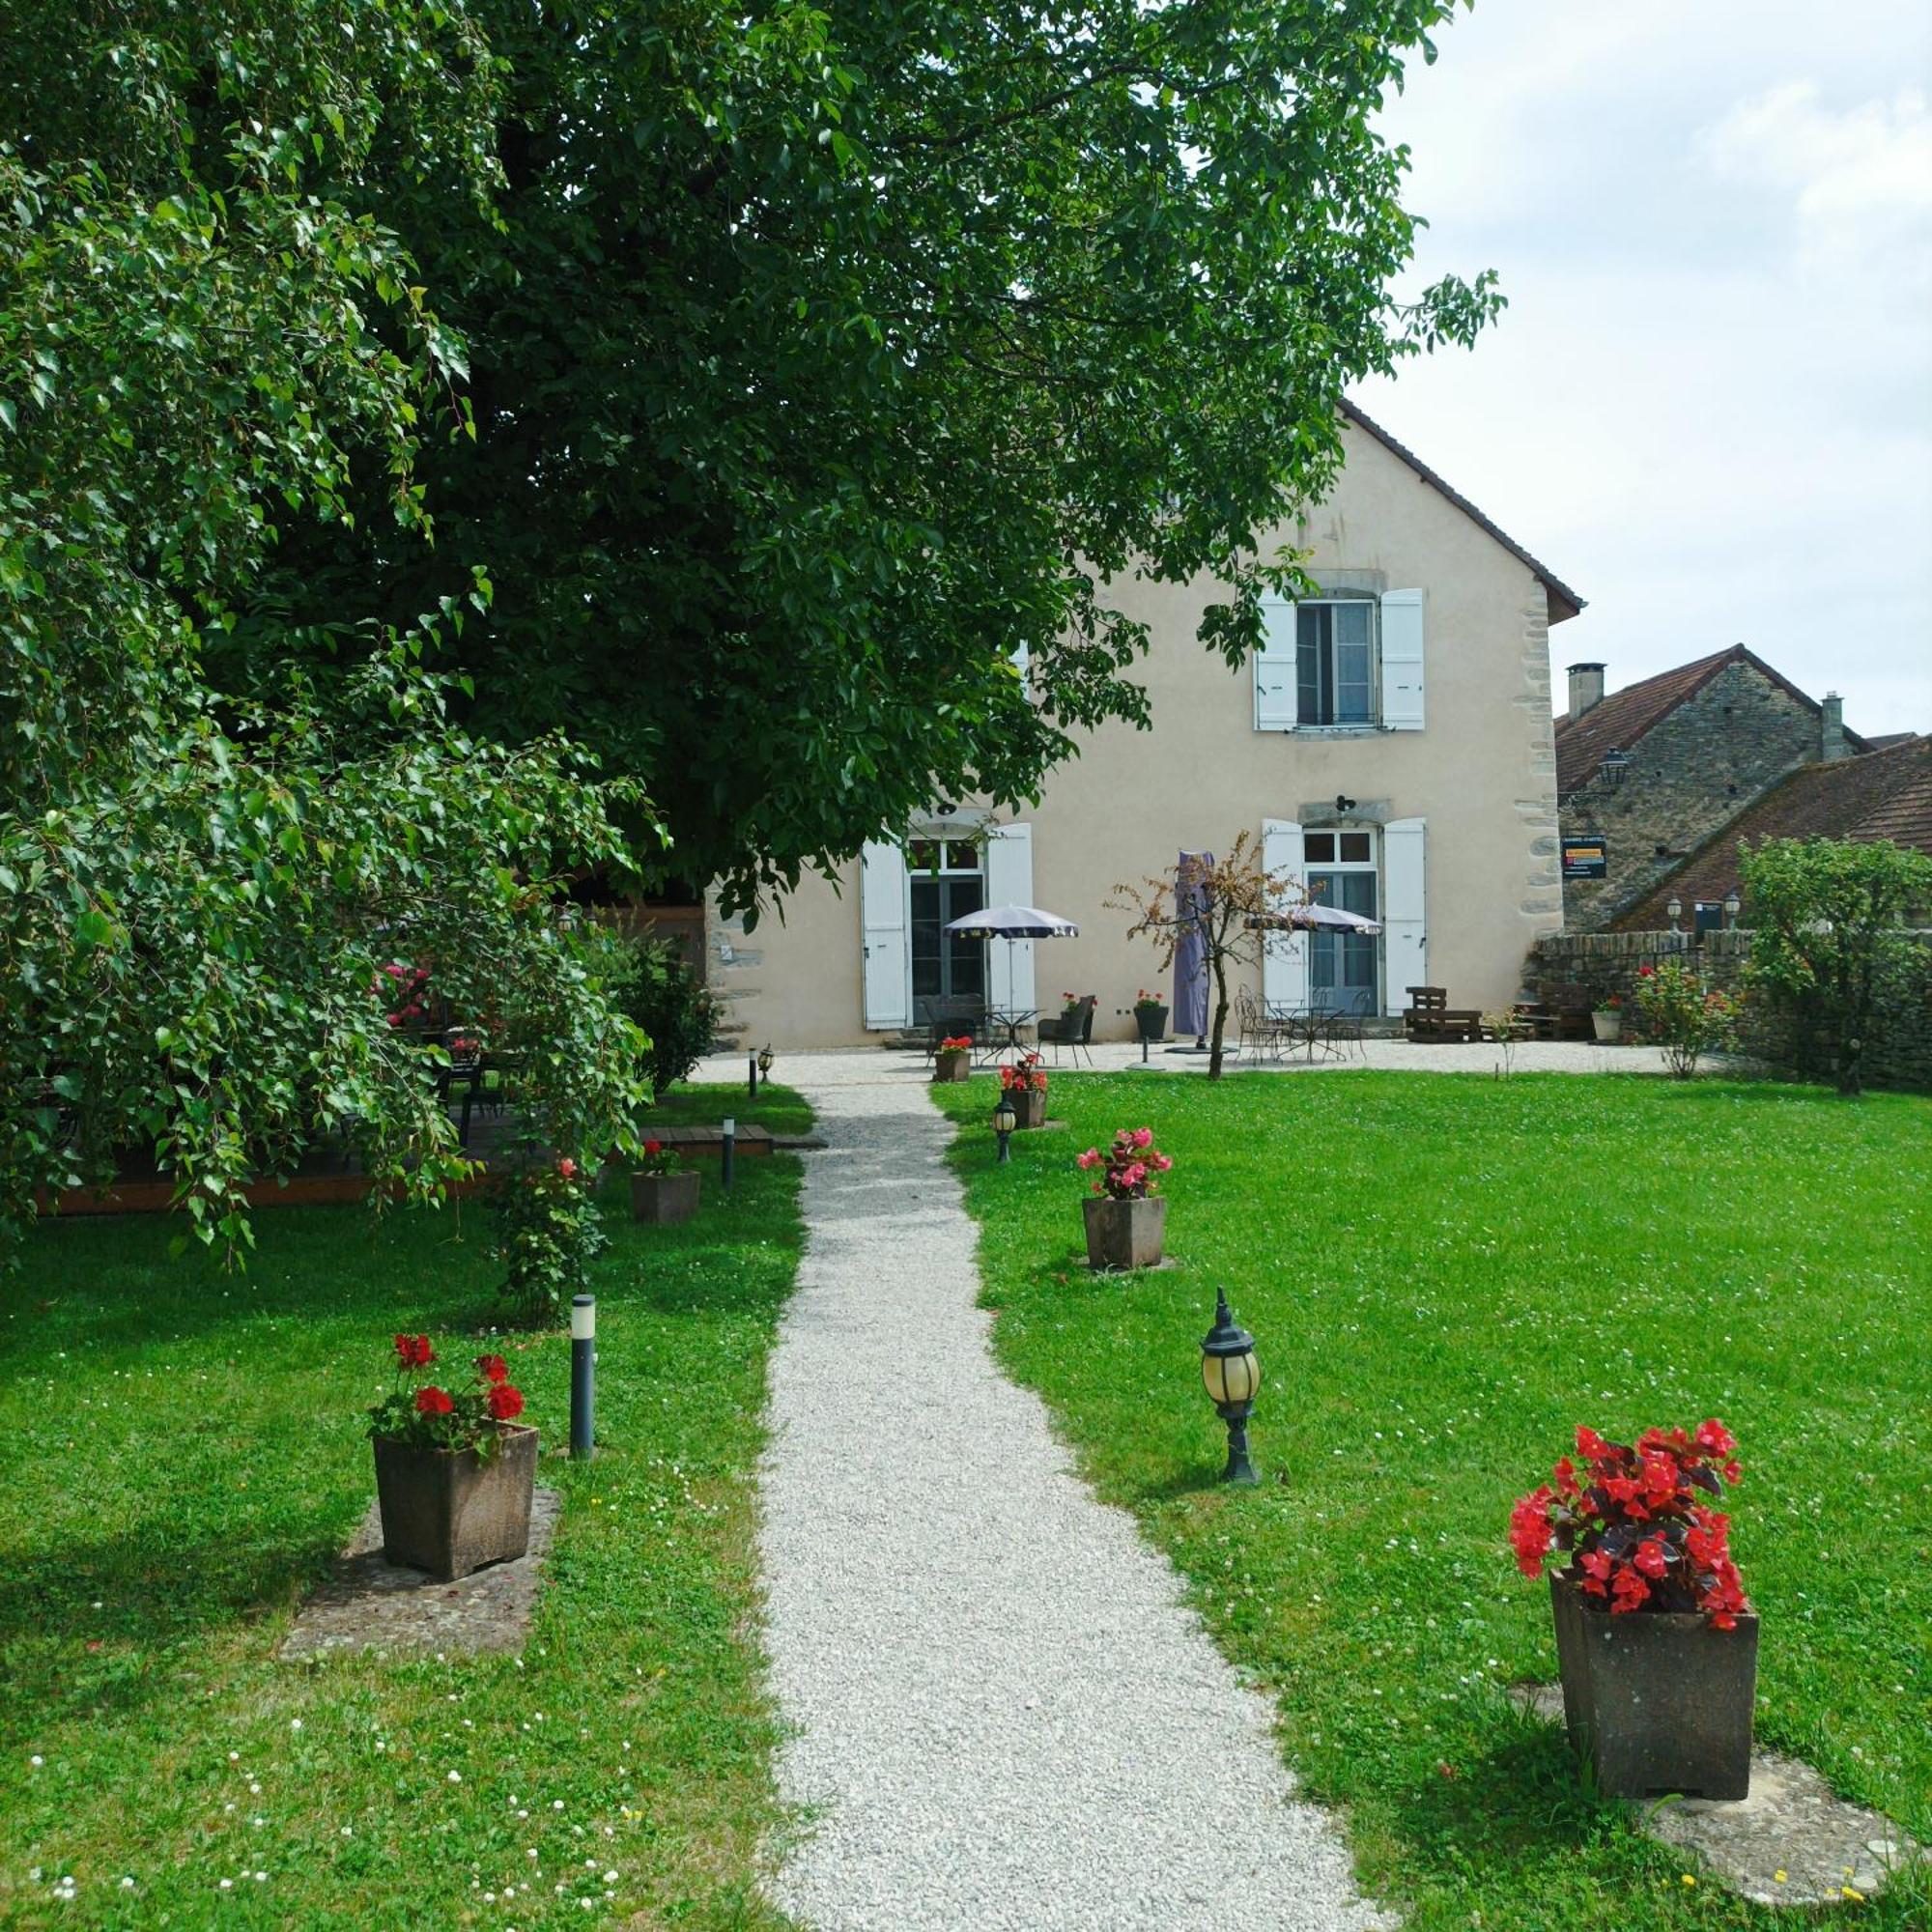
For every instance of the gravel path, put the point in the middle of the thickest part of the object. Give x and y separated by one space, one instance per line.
1005 1717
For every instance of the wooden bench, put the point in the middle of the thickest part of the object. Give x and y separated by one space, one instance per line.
1431 1021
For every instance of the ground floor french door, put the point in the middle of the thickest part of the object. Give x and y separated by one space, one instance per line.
1343 968
948 969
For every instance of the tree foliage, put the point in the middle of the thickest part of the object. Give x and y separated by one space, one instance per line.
204 350
820 360
1831 945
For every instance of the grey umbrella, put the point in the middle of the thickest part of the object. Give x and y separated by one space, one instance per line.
1012 922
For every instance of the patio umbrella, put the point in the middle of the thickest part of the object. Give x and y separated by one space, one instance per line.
1302 918
1012 922
1190 949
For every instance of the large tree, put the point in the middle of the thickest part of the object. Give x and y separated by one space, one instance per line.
823 361
206 348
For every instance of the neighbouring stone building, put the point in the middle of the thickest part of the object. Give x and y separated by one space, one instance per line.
1656 770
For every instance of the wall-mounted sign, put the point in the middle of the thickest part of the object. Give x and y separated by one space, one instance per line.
1586 859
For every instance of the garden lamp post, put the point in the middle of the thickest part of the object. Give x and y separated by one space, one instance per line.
1675 908
1004 1121
1231 1375
1733 905
751 1075
765 1058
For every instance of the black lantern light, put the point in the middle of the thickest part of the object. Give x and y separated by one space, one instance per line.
765 1058
1004 1121
1231 1375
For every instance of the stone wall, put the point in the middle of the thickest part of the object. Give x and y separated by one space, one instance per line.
1688 776
1610 962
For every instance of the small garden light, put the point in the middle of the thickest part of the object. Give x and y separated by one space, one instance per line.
1733 905
1675 909
1004 1121
765 1058
1232 1373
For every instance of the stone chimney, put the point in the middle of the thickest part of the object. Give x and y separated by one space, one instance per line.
1586 688
1831 745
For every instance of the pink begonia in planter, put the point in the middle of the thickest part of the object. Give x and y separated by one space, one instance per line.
1126 1219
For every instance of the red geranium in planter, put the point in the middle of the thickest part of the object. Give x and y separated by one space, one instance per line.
455 1470
1126 1220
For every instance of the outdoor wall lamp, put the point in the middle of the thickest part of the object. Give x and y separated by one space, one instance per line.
1231 1375
1344 803
1004 1121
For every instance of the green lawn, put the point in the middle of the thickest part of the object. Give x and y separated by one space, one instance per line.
185 1451
1445 1275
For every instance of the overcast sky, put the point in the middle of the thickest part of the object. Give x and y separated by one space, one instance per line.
1708 407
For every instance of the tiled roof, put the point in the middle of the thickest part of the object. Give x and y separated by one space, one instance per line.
1881 795
1889 739
1563 601
1615 723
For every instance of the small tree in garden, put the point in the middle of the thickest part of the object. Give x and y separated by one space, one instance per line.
1227 906
1687 1017
547 1233
1830 944
674 1008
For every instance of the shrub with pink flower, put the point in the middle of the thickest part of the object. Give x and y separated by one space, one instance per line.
1132 1167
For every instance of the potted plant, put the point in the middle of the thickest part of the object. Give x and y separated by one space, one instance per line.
1127 1215
954 1059
1149 1016
1609 1019
1655 1641
1024 1084
454 1469
664 1191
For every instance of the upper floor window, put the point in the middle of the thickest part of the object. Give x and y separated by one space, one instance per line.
1334 663
1341 663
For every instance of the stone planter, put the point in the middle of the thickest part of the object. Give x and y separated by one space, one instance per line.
1656 1703
1028 1105
662 1200
449 1512
1124 1233
1609 1029
1151 1023
957 1066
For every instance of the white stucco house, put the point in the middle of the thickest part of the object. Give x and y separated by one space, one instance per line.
1392 745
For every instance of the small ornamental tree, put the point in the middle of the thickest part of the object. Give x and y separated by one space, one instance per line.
1832 946
1227 906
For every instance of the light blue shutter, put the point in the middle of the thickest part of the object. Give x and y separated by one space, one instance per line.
1404 902
1401 660
1274 668
1284 955
1009 882
883 907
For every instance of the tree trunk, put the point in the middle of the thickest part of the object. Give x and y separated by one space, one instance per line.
1220 1014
